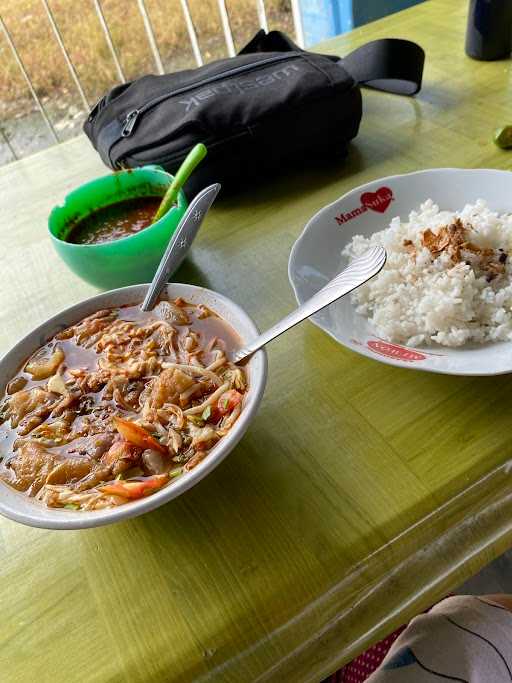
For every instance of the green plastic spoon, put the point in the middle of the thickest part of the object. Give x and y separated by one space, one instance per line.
192 159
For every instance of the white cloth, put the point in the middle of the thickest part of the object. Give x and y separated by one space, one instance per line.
463 638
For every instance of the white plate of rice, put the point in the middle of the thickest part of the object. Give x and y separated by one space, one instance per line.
443 301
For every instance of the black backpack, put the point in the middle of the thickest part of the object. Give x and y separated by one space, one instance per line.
270 106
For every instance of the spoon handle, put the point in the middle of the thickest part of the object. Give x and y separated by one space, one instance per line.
356 274
180 242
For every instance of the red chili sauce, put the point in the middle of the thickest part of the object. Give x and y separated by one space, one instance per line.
113 222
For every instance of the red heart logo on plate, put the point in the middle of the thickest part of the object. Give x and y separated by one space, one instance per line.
377 201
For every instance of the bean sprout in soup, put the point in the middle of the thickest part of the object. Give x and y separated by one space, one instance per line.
119 405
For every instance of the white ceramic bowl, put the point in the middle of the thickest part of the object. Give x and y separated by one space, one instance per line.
316 258
21 508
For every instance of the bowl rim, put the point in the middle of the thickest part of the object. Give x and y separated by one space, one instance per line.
362 350
70 519
181 206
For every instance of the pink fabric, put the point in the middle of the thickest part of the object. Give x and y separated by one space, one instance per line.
361 667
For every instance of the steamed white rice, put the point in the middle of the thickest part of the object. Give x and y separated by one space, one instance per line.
427 300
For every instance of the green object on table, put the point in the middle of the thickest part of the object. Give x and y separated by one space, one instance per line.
125 261
503 137
193 158
361 493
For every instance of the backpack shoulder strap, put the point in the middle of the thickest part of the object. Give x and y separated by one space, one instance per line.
389 64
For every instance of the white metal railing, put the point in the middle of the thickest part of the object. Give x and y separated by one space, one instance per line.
262 14
297 23
226 27
153 45
7 143
31 88
108 38
151 36
65 54
192 32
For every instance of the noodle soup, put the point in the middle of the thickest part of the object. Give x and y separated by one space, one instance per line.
119 405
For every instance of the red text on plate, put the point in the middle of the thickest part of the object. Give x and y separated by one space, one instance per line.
373 201
394 351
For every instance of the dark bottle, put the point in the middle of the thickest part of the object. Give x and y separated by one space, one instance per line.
489 31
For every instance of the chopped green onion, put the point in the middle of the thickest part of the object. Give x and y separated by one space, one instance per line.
119 476
72 506
206 413
226 403
175 473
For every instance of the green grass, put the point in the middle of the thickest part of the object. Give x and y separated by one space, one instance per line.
82 34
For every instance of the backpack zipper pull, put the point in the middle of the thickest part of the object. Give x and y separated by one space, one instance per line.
129 123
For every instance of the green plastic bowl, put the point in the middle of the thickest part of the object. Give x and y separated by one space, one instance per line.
127 261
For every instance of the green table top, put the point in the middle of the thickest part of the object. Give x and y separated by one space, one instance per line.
360 494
